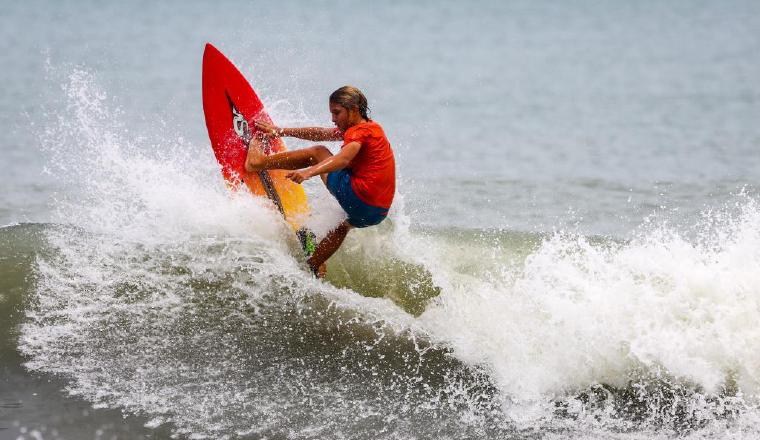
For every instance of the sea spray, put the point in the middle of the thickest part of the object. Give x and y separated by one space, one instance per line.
168 296
654 313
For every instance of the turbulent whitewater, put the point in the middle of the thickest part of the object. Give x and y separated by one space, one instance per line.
164 295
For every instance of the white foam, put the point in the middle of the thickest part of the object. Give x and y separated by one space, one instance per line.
140 188
153 224
577 314
156 224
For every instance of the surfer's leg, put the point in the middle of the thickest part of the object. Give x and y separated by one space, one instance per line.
297 159
288 160
327 247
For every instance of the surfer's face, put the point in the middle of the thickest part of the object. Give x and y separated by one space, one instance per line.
343 117
339 116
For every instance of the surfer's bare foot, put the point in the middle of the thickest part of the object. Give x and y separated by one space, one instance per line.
255 159
320 271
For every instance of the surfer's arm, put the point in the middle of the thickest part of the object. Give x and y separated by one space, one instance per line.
333 163
316 134
308 133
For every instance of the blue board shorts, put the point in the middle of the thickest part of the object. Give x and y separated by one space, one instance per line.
360 214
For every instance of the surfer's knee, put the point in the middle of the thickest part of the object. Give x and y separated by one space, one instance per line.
253 163
254 160
319 153
346 225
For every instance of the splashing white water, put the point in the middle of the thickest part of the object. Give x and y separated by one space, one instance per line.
575 314
160 233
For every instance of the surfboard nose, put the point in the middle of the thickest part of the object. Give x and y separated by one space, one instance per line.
211 52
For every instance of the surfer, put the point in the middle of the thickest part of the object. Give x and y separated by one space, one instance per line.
361 176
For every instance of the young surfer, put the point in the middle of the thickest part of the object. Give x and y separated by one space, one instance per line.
362 176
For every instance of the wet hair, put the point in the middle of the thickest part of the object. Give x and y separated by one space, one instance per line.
351 97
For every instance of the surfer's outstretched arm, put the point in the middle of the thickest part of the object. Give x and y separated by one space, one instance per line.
317 134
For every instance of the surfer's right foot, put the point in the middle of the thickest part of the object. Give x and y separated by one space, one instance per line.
320 271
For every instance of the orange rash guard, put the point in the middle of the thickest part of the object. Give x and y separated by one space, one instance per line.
373 169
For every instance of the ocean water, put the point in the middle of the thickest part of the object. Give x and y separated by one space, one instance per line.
573 253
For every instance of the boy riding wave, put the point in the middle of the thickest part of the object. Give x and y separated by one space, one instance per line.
361 176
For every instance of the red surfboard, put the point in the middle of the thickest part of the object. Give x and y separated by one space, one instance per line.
230 106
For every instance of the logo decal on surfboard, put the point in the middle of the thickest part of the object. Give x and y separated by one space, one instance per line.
239 124
243 130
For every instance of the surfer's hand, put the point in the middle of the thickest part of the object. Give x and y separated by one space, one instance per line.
298 176
268 129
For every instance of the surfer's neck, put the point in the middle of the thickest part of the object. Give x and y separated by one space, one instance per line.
357 121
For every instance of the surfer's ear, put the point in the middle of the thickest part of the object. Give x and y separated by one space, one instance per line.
353 111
